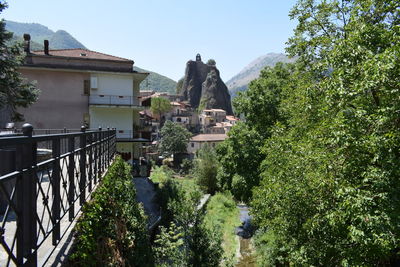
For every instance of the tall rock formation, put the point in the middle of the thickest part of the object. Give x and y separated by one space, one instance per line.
203 86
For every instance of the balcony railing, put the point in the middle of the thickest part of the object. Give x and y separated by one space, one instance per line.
114 100
41 195
129 134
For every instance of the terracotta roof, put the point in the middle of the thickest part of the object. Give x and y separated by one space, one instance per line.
80 53
231 118
208 137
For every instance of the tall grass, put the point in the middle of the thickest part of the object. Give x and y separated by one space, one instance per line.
223 214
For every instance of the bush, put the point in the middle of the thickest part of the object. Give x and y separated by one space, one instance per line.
112 230
186 166
205 169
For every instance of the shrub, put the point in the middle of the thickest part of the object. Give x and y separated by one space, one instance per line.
113 228
205 169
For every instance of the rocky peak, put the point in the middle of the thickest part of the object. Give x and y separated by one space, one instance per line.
203 84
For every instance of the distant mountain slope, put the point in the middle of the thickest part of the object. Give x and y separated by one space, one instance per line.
34 45
240 81
157 82
57 40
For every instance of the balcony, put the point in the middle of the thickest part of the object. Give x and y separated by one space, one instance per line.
130 136
114 100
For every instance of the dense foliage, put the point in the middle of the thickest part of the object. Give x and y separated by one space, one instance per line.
184 239
15 92
179 85
159 106
211 62
113 228
174 138
240 157
329 124
205 169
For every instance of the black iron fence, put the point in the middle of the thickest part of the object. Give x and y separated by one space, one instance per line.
44 181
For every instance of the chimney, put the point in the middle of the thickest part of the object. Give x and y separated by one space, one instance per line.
27 43
46 47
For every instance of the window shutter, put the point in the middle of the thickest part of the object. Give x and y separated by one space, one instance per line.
86 87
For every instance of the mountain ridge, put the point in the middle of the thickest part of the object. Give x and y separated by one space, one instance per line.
252 71
59 39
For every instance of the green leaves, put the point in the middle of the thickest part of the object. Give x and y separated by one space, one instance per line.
330 147
15 92
113 228
174 138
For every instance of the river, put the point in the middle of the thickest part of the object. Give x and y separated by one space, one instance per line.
247 257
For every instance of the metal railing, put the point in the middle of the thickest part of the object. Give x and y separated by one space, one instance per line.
113 100
39 201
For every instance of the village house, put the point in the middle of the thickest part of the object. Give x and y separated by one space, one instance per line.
82 87
200 140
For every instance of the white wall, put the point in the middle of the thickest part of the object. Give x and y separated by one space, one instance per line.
113 84
120 118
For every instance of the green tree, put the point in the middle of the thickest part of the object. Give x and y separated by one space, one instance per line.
15 92
240 157
174 138
179 85
260 104
159 106
211 62
205 169
330 179
186 241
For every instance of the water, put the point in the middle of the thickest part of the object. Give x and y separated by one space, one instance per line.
247 258
245 232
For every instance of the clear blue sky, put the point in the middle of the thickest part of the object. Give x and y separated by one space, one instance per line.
162 35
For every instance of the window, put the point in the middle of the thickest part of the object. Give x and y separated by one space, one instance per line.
93 82
86 87
192 144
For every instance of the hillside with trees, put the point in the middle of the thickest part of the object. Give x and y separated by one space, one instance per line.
157 82
57 40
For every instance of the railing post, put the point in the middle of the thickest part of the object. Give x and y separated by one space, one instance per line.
96 160
90 161
55 181
100 152
71 178
82 167
113 142
26 201
108 146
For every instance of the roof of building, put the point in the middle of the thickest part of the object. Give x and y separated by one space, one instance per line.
215 109
208 137
231 118
80 53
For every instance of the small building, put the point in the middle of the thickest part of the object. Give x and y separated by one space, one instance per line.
198 141
231 119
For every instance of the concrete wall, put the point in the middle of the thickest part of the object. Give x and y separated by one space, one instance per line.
192 147
113 84
120 118
61 101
